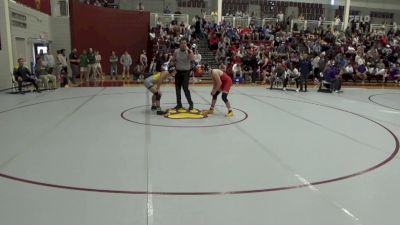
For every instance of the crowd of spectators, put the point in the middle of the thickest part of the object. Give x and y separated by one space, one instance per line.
166 37
270 53
257 52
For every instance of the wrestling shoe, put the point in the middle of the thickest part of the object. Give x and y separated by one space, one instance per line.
153 107
178 107
229 114
161 113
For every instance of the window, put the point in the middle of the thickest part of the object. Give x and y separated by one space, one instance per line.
63 8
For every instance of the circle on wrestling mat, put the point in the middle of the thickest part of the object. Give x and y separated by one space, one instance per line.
142 115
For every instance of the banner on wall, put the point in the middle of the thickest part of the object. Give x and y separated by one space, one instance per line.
37 4
357 19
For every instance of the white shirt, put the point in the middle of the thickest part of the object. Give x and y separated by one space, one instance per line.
126 60
349 69
197 58
236 67
143 59
98 58
140 7
360 60
337 21
371 70
296 72
280 17
49 60
315 62
239 54
62 60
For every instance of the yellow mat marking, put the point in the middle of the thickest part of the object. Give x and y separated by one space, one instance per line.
185 114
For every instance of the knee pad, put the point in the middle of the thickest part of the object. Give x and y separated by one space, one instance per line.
216 95
158 96
225 97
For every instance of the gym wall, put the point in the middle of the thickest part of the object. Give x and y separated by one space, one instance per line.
107 29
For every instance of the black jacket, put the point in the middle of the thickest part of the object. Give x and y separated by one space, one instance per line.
22 71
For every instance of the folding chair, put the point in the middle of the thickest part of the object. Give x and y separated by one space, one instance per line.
14 85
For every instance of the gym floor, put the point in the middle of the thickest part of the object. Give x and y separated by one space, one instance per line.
99 156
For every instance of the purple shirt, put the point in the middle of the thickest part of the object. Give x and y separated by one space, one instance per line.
330 74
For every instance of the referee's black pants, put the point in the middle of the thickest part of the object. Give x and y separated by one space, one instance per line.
182 81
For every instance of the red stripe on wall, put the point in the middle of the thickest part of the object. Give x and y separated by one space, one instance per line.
107 29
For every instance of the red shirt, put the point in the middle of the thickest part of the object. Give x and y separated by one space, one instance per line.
384 40
214 40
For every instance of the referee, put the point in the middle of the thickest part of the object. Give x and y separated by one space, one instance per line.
183 57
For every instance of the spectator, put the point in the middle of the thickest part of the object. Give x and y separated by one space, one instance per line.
213 43
220 56
277 73
166 10
62 68
197 57
198 32
305 69
153 66
22 74
348 73
74 63
84 64
337 21
371 71
178 11
280 17
294 74
266 67
140 7
40 56
315 66
237 72
44 76
143 63
49 62
91 64
332 79
165 60
97 3
137 72
126 61
361 72
394 73
113 65
381 71
99 70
